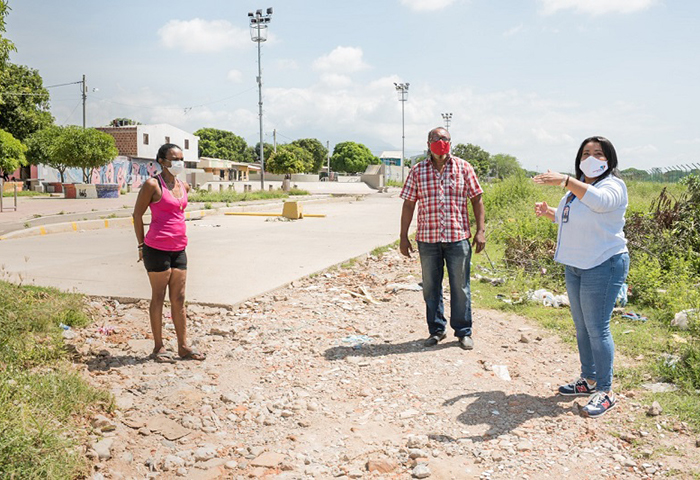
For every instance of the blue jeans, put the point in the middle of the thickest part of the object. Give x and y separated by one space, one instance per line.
433 258
592 294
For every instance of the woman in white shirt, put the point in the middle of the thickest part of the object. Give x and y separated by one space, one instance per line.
592 245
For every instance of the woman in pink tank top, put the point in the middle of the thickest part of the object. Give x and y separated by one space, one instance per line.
162 249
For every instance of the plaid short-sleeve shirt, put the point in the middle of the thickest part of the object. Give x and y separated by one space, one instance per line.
442 198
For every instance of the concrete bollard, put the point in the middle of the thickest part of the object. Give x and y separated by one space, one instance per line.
209 187
292 210
270 187
221 187
232 187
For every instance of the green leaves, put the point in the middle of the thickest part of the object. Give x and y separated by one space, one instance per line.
72 146
11 152
215 143
316 149
24 105
351 157
290 159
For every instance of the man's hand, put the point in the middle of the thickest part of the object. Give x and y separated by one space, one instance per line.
479 242
405 247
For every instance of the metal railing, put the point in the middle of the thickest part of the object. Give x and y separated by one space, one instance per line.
2 196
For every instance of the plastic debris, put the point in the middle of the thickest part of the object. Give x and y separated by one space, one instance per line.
682 318
64 326
106 330
493 281
501 372
634 316
357 341
548 299
621 299
670 360
659 387
395 287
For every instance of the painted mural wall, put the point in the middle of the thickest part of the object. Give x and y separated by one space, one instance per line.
122 171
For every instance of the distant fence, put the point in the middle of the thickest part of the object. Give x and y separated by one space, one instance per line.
662 174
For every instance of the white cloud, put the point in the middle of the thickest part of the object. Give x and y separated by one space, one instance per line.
513 31
692 141
202 36
427 5
336 80
341 60
639 150
234 76
596 7
287 64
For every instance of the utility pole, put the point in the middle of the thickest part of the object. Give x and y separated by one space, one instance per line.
274 140
328 150
84 92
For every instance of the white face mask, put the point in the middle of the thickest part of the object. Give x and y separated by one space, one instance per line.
176 167
592 167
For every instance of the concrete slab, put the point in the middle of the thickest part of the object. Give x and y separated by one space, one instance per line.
231 258
38 211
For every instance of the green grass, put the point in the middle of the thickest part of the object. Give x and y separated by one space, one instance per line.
393 183
43 402
659 294
231 196
26 193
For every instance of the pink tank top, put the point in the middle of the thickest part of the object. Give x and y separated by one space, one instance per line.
167 231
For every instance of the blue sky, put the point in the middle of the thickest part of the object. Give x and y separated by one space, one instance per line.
529 78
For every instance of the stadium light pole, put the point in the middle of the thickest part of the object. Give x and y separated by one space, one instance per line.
402 89
258 34
447 118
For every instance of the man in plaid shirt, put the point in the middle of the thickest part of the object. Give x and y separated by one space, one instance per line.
441 185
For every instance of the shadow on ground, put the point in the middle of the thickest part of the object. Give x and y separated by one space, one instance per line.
505 412
381 350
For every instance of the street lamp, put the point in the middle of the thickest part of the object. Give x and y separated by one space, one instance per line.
402 89
258 34
447 118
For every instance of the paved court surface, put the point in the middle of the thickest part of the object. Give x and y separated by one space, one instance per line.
35 211
231 258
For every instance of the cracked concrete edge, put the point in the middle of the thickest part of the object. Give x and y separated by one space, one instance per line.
235 305
121 222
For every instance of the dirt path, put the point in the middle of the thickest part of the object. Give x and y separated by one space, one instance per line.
313 381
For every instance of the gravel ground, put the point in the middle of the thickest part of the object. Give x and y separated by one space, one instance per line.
329 378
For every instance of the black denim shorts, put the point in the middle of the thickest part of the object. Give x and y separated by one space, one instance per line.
160 260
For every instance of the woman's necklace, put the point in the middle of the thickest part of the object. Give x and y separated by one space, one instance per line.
172 191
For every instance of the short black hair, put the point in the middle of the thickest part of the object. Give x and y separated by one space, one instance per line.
164 149
608 151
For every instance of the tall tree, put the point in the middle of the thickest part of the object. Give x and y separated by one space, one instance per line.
316 149
85 148
253 153
474 154
41 149
6 46
11 153
289 159
215 143
502 166
24 105
352 157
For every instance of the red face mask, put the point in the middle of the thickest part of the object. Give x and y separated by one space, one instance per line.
440 147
